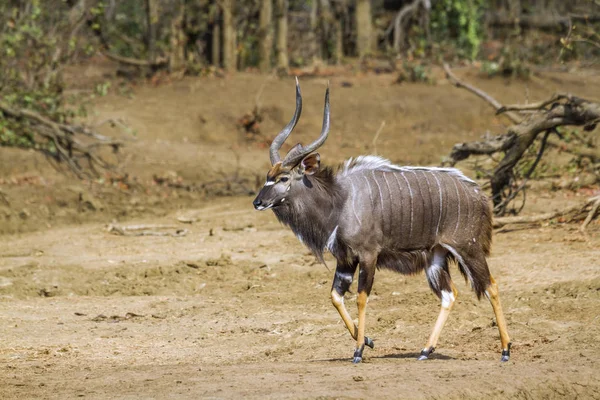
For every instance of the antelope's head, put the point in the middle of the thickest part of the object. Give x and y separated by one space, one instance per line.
299 162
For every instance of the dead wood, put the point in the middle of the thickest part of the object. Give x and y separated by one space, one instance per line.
156 63
490 145
73 142
399 26
528 122
374 143
591 214
4 198
146 230
488 99
586 211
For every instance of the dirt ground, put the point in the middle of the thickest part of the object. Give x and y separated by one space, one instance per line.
238 307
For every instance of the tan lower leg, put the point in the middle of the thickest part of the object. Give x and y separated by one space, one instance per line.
494 298
338 303
448 300
362 314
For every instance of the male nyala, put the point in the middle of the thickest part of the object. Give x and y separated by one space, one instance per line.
372 214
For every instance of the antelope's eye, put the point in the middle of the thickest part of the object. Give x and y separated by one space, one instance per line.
283 179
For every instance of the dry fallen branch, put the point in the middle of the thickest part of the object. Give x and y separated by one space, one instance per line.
489 99
591 214
159 62
146 230
4 198
570 214
379 130
529 121
66 138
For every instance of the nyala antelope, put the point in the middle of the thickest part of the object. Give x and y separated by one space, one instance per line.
372 214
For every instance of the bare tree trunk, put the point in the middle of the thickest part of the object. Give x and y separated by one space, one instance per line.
400 27
266 35
314 39
178 39
152 13
339 15
328 28
339 41
229 51
363 27
514 10
426 21
216 38
282 35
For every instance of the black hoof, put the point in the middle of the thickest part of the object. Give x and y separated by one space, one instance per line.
358 354
506 354
425 353
369 342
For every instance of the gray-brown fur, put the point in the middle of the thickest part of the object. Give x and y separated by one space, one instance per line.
400 213
372 214
408 211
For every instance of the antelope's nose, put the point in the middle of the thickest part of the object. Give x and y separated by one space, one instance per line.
257 203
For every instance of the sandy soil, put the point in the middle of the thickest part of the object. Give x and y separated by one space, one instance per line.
237 307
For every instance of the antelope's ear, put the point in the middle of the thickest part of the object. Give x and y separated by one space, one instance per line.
310 164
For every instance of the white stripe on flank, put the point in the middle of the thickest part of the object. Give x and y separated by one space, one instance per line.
458 202
354 198
380 199
420 197
437 229
391 216
370 191
429 192
388 186
411 203
468 197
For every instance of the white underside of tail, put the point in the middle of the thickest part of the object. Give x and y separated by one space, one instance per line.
460 260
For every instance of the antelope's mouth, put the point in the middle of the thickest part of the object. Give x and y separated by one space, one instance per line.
262 207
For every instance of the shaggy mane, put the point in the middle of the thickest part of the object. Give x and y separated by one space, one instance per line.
375 163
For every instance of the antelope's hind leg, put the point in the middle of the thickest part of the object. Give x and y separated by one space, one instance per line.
344 274
441 284
366 275
492 294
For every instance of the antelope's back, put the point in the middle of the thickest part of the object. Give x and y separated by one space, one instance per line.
411 208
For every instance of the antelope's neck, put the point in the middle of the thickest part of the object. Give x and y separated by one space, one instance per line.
312 213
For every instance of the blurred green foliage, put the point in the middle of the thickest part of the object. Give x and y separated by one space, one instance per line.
458 23
512 62
415 72
34 50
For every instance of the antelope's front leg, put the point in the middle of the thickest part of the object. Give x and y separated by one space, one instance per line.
365 283
344 274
